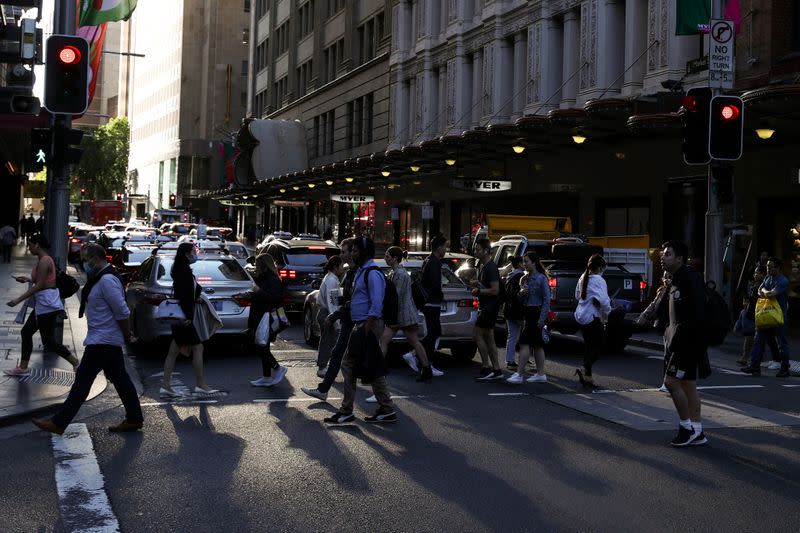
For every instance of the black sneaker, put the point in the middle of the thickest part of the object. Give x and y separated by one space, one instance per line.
339 418
782 373
753 371
511 366
700 439
496 374
683 438
382 418
485 372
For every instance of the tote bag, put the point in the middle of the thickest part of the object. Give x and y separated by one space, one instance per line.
170 311
263 331
768 313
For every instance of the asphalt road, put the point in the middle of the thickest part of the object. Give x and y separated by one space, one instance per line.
464 456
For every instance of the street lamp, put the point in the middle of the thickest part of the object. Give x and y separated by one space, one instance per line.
518 147
312 185
328 182
295 187
414 168
579 137
348 179
765 132
450 161
385 173
282 190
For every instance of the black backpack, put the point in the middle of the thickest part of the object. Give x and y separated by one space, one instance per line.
418 293
390 301
513 308
718 316
66 284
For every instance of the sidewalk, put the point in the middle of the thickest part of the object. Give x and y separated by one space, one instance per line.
725 355
51 376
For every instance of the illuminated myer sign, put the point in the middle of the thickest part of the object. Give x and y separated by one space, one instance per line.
352 198
481 185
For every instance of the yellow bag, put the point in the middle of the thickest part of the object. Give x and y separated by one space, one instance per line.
768 313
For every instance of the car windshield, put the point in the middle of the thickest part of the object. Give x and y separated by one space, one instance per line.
239 252
207 270
310 256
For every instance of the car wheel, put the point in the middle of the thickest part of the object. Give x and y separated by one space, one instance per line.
308 328
464 352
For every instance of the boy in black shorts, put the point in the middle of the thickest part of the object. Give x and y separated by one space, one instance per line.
487 288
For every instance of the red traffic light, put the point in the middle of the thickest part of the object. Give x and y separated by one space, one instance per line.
689 103
729 112
69 55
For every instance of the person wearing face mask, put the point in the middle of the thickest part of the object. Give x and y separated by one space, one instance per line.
185 339
594 305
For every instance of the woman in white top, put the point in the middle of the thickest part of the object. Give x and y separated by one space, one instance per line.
594 305
327 303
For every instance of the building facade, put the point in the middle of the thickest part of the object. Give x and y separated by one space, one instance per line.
184 99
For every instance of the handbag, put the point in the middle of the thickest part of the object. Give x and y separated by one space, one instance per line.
279 321
170 311
206 320
66 284
768 313
263 330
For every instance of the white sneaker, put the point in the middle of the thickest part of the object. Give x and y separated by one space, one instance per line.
774 365
277 375
436 372
322 371
537 378
515 379
263 381
411 361
372 399
663 388
315 393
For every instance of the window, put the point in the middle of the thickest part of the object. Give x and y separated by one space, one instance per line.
332 57
281 91
282 39
243 99
305 19
316 143
349 129
303 77
323 132
247 6
261 55
244 68
334 6
380 22
370 35
359 121
245 36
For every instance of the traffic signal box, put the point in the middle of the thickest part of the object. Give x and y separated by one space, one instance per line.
172 200
726 128
66 75
694 113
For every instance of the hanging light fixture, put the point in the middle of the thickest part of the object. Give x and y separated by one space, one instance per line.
415 168
245 197
579 137
282 190
765 132
385 173
450 161
348 179
295 187
328 182
518 147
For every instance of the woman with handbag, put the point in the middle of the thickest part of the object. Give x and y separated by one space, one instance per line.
185 339
47 307
406 312
327 303
267 298
535 296
594 305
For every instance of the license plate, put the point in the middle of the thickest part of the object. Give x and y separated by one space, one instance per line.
218 305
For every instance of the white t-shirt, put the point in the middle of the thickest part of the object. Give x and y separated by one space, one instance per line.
328 295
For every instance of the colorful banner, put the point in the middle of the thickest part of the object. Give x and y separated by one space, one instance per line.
227 156
96 12
694 15
95 35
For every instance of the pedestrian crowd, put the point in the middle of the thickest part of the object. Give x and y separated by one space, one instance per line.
361 309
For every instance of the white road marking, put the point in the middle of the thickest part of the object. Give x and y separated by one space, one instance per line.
508 394
177 401
289 400
790 386
708 387
301 351
726 371
659 358
82 498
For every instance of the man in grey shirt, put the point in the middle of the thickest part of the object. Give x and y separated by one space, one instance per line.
107 315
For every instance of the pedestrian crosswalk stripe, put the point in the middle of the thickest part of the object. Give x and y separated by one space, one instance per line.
82 499
508 394
708 387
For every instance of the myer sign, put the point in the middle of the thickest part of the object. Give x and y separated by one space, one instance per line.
481 185
352 198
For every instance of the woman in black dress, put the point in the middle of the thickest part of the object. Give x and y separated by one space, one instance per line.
184 336
267 298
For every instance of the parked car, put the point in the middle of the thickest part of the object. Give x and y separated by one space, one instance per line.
79 236
459 312
284 235
299 264
238 251
222 278
176 229
451 259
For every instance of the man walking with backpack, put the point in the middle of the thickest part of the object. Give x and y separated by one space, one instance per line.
364 358
684 342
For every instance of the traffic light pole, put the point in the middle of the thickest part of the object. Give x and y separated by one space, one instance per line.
57 207
714 227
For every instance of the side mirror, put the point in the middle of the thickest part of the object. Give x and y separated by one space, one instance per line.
251 260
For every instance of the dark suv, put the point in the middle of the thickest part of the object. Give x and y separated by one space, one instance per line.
299 264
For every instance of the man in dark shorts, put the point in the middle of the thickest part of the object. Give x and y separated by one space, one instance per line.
684 345
486 287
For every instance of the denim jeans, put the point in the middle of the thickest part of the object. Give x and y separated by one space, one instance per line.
514 327
781 334
335 362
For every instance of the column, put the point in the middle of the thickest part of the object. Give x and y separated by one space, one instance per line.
477 87
502 80
520 79
429 94
610 47
572 42
552 67
635 45
463 91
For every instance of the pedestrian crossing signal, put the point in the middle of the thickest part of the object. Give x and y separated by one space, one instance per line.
40 154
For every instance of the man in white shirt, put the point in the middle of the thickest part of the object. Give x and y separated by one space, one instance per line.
107 315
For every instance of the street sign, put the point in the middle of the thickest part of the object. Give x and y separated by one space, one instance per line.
352 198
427 212
720 54
481 185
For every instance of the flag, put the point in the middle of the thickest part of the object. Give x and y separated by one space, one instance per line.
96 12
95 35
694 15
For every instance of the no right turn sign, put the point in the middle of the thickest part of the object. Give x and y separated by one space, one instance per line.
720 54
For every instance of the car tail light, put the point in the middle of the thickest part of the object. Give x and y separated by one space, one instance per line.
472 302
553 283
154 298
551 316
109 258
316 247
69 234
74 240
244 299
285 273
642 290
201 279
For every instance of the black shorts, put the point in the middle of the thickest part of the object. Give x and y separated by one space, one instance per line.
487 318
532 333
682 366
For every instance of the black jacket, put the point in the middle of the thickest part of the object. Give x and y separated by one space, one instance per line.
267 297
366 350
686 312
514 309
432 280
186 290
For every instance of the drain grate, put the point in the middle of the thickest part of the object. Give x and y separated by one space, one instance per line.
47 376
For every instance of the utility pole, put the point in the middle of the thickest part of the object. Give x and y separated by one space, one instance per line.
57 208
714 227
